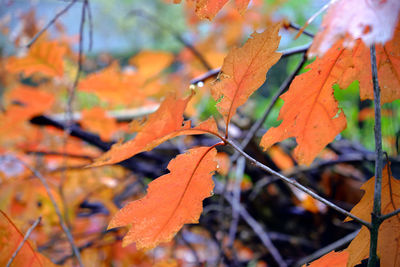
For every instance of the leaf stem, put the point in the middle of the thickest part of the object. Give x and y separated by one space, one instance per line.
376 212
28 233
297 185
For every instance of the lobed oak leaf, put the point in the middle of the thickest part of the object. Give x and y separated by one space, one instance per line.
310 112
10 238
372 21
172 200
389 230
45 57
166 123
332 259
244 71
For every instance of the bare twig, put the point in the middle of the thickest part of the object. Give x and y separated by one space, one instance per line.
298 28
90 18
333 246
69 108
51 22
296 184
57 209
71 91
389 215
56 153
28 233
257 228
240 166
256 126
376 213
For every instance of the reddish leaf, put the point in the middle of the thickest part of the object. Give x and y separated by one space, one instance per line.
244 71
332 259
372 21
389 230
310 113
172 200
44 57
166 123
10 238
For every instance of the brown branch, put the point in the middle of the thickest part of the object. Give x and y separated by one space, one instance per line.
296 184
376 213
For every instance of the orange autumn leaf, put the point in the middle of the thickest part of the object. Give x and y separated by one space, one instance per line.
10 238
389 230
388 65
224 163
96 120
113 86
244 71
208 9
371 21
310 112
45 57
150 63
332 259
26 102
166 123
280 158
172 200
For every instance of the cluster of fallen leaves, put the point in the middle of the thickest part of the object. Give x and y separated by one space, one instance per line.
310 114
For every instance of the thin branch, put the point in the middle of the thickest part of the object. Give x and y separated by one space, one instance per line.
71 91
56 153
90 18
51 22
57 209
256 126
296 184
389 215
298 28
376 213
333 246
28 233
257 228
69 108
240 166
